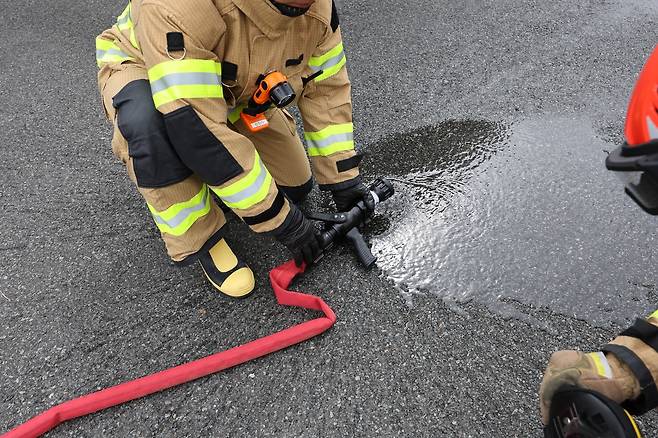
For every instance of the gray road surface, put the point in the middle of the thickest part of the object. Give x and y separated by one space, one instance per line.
498 111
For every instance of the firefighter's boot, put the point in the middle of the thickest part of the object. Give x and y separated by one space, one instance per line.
226 272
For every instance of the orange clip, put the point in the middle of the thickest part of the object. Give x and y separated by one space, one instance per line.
254 123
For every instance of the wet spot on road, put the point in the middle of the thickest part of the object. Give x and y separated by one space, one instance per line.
444 148
431 162
516 216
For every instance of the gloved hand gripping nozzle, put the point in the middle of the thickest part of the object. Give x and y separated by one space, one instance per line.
339 225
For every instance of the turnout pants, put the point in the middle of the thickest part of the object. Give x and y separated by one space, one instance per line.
181 204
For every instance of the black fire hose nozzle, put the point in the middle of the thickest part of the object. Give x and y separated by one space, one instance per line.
345 225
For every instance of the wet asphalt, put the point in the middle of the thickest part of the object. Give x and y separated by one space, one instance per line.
88 298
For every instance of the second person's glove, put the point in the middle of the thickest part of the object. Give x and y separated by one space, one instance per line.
583 370
300 237
347 198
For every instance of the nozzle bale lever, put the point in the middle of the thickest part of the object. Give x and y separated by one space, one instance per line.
339 225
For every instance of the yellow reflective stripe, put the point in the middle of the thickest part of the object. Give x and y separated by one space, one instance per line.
108 52
111 59
330 63
234 114
179 218
653 315
601 364
103 44
184 66
329 72
248 190
185 79
329 131
332 139
124 21
335 147
243 183
318 61
133 39
256 197
186 92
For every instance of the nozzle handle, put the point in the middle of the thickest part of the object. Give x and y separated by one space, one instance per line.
345 224
361 247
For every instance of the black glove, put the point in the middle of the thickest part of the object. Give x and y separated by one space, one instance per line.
348 197
300 236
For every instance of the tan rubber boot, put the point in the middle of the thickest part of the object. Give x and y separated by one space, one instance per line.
600 372
226 272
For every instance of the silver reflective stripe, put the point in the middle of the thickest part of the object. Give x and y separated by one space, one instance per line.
653 129
101 53
124 20
251 190
183 214
190 78
326 142
330 62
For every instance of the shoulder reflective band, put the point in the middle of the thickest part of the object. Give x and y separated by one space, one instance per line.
648 398
179 218
125 23
332 139
107 52
185 79
330 63
249 190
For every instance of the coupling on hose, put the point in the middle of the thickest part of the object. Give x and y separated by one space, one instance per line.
582 413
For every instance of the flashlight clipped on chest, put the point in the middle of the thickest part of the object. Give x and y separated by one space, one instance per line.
272 89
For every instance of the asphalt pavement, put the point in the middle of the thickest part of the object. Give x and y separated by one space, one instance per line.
89 299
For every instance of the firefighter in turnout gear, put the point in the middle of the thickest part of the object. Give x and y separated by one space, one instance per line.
175 78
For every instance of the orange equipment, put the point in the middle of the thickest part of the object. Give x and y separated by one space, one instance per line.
273 88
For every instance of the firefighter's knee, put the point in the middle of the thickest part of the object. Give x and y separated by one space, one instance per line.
155 161
199 148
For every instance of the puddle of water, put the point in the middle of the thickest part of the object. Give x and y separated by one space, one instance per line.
634 8
518 217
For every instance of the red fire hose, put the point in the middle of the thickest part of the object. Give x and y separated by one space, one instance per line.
280 278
